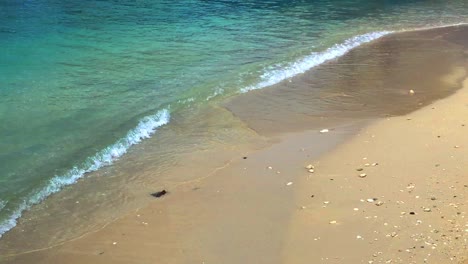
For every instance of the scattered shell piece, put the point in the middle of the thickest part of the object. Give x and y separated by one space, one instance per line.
362 175
114 243
310 166
311 170
270 167
379 203
356 209
375 164
359 237
370 200
324 131
367 164
333 222
289 183
326 202
427 209
411 91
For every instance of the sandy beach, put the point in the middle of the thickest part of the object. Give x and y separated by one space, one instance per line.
387 187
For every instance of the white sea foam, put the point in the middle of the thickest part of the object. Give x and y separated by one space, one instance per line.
217 92
271 77
145 128
148 125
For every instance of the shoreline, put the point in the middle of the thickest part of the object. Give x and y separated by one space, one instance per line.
186 193
108 155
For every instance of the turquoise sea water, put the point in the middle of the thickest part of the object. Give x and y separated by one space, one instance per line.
83 81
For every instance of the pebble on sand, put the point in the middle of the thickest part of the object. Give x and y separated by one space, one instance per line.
411 91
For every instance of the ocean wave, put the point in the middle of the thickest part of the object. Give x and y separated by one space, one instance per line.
145 128
271 77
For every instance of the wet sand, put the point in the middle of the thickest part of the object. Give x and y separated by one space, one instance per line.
254 205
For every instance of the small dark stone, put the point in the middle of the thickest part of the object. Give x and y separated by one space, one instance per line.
412 213
312 196
244 157
100 253
159 194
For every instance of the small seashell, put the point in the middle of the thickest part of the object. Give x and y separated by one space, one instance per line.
362 175
311 170
324 131
333 222
310 166
289 183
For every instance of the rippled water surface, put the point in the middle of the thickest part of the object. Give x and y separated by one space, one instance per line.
83 81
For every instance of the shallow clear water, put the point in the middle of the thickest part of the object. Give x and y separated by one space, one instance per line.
82 81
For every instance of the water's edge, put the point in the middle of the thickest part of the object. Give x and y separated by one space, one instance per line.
147 126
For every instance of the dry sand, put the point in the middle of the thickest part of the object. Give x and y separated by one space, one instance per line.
416 177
